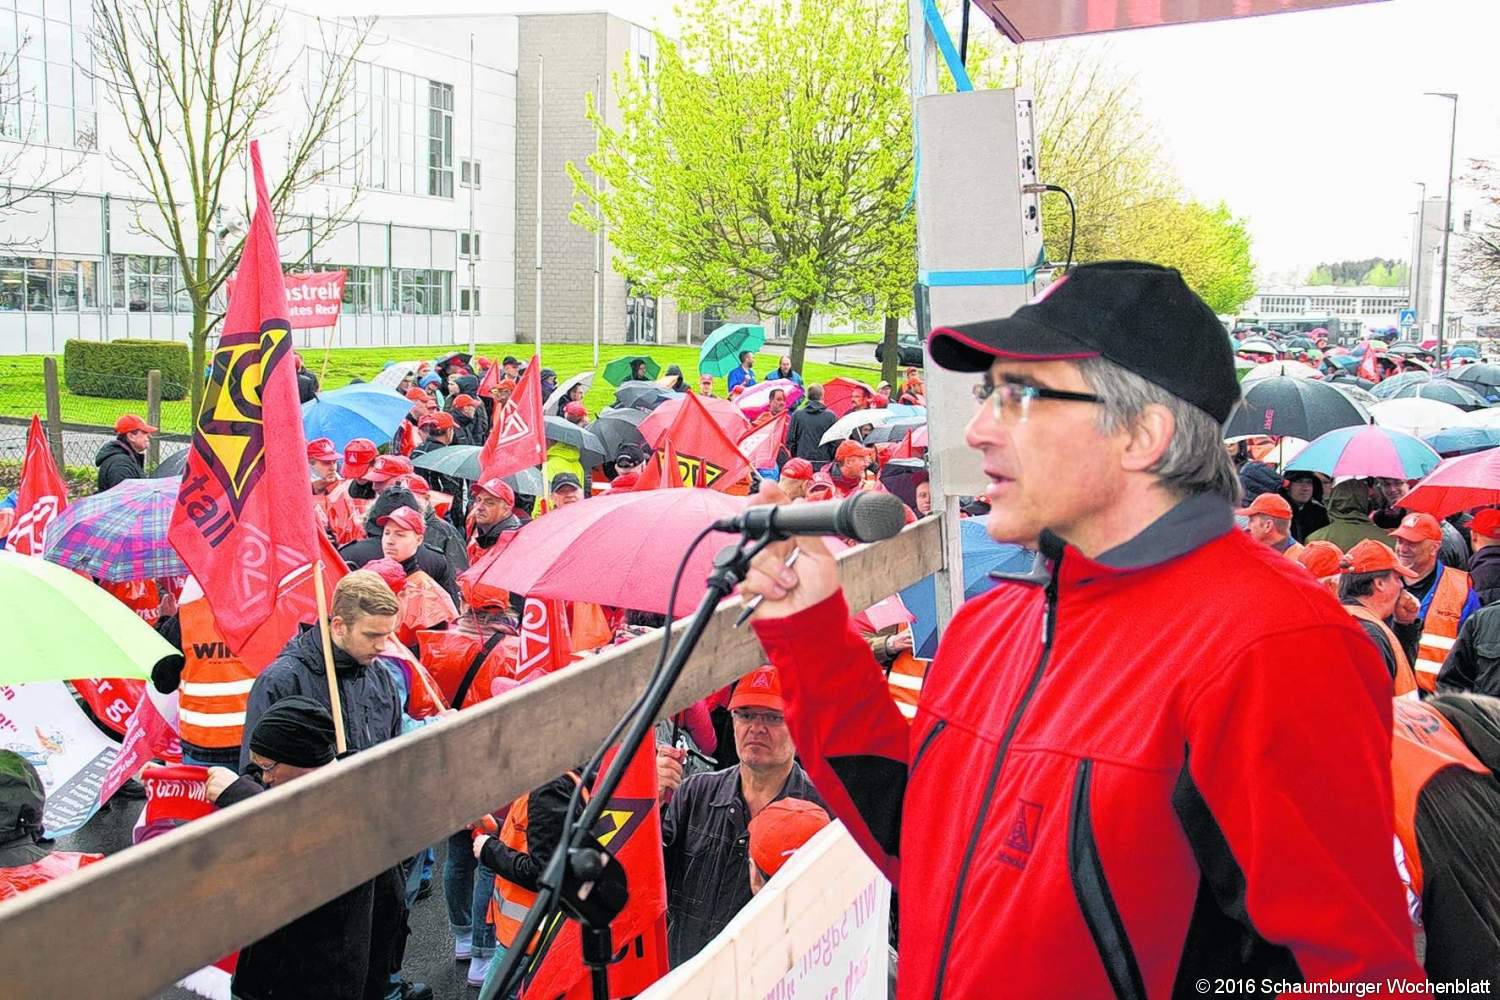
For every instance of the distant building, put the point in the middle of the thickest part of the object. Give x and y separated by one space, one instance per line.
1346 311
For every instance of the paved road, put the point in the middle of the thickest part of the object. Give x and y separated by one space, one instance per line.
862 355
429 952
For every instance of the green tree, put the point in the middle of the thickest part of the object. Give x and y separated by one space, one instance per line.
766 161
1379 276
1207 244
1320 275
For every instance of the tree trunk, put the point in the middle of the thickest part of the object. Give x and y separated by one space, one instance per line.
892 362
200 356
799 335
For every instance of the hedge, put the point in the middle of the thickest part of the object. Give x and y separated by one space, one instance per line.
81 479
117 368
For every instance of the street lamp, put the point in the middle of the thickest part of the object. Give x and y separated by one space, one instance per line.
1416 256
1447 224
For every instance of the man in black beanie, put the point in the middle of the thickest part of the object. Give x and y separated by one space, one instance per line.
340 950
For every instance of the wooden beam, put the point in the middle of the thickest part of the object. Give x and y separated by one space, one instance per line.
232 877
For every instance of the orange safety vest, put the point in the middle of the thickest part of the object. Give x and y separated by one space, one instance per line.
510 903
1406 681
1423 743
905 682
1293 551
215 687
1440 626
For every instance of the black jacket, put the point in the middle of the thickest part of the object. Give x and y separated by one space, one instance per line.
117 462
705 832
1484 574
1473 664
546 807
1307 517
371 703
808 426
307 385
427 559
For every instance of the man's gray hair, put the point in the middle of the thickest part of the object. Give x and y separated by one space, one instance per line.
1195 460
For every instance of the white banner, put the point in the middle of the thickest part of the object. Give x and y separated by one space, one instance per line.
819 929
41 722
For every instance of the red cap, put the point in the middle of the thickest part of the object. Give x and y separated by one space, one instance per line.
820 481
1486 523
1321 558
130 422
418 396
850 449
506 383
797 468
358 454
780 828
575 410
404 517
416 484
760 688
388 570
1370 556
464 399
1418 528
496 486
1269 504
388 467
321 450
438 421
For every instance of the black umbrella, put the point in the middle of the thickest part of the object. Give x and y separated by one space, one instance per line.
173 465
461 461
643 395
1347 379
619 425
1443 390
442 364
894 430
590 448
1407 347
1293 407
1485 378
901 476
1388 388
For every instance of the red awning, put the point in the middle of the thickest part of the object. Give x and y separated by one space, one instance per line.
1034 20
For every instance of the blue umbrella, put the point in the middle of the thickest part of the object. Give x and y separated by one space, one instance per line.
1348 362
1463 440
721 350
1463 352
982 556
361 410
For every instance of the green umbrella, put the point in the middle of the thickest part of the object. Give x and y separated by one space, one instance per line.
618 370
721 350
1242 368
63 627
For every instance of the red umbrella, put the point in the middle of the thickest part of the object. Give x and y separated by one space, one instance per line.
1457 484
726 414
620 549
838 394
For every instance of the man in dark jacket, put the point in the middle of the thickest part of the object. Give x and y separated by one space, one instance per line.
808 426
434 538
440 534
492 513
401 538
124 457
706 824
1304 491
473 425
307 382
1484 564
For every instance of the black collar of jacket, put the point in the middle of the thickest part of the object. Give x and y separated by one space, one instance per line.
727 794
1193 522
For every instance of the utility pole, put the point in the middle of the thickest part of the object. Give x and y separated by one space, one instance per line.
598 227
538 302
473 183
1447 228
1415 279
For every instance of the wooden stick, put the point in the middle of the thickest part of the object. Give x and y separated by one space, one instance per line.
336 707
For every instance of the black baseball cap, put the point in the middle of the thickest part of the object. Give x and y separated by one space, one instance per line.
565 479
1142 317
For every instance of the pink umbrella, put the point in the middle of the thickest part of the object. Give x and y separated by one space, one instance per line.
725 414
619 549
757 399
839 393
1457 484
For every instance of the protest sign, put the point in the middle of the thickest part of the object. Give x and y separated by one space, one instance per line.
41 722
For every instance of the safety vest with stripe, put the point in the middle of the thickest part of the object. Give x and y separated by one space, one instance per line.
905 682
511 903
1423 743
215 686
1440 621
1406 681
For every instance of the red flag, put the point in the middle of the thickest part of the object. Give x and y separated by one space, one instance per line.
112 701
244 520
518 437
492 376
545 644
707 456
298 606
178 793
1368 369
41 494
662 470
630 829
762 445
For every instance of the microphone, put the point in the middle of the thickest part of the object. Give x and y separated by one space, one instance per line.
864 517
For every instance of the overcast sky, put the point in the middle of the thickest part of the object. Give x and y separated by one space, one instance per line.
1311 125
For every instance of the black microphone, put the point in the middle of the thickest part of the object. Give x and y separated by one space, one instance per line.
864 517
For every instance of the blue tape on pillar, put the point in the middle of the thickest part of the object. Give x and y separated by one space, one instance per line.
945 45
972 279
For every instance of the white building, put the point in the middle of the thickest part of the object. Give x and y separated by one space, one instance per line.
429 244
1355 308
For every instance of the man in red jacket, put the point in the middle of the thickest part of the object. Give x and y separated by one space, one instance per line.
1111 787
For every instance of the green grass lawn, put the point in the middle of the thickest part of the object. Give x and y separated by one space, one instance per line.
21 384
842 339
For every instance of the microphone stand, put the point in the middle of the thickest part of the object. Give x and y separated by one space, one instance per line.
583 879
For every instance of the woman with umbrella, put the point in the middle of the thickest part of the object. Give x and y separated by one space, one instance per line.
638 370
573 395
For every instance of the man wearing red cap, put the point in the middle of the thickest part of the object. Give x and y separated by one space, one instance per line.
349 500
1472 665
1271 523
1370 589
795 476
850 462
576 413
502 392
402 531
775 835
124 456
470 418
706 824
492 505
323 465
1444 594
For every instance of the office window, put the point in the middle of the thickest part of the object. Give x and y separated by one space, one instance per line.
440 139
396 135
468 300
141 283
49 97
468 173
419 291
468 245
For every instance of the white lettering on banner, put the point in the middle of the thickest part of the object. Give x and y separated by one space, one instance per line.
43 724
312 299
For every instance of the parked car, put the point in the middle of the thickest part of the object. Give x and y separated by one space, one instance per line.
909 346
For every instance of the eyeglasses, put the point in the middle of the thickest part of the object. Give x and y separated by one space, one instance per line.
624 463
768 719
1013 399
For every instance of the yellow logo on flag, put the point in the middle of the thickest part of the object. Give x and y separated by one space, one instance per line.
231 432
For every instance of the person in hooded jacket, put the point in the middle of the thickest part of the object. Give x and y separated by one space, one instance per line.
1484 564
429 554
1349 518
1257 478
1304 491
124 456
440 533
809 424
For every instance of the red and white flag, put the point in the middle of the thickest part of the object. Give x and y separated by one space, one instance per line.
518 437
762 445
545 644
42 493
178 793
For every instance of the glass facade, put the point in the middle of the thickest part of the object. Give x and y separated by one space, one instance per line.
47 93
45 284
421 291
396 135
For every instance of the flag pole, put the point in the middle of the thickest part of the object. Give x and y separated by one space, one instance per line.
336 707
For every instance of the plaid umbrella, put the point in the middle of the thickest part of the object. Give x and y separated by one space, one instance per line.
120 534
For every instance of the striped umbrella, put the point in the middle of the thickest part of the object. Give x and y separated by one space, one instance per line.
120 534
1366 451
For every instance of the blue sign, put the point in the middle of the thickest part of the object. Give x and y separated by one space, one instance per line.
1408 317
